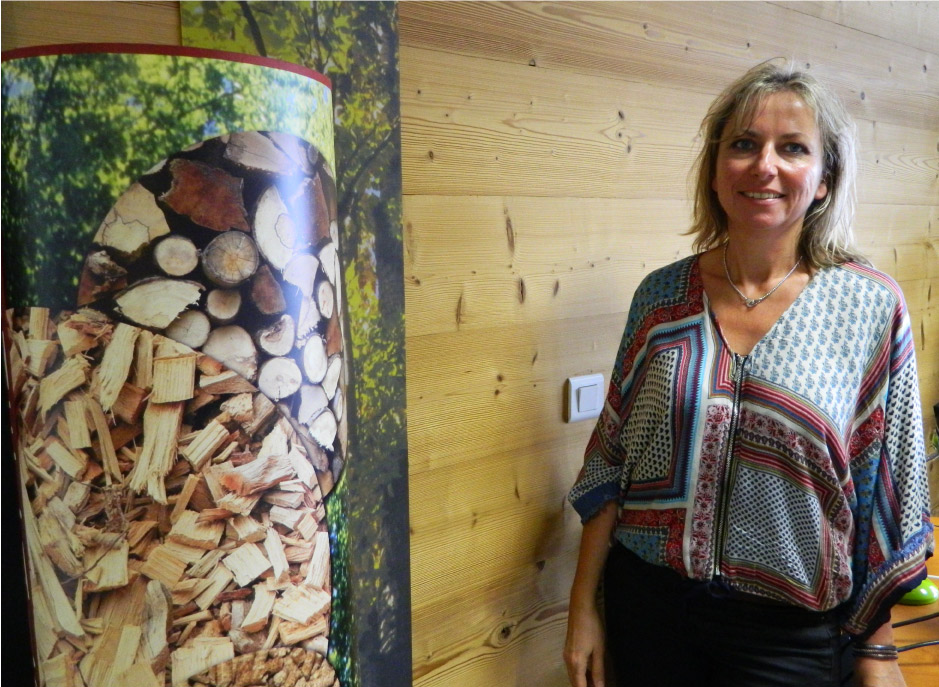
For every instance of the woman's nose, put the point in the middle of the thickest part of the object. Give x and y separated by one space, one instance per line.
766 161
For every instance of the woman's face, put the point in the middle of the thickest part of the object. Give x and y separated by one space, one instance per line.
770 172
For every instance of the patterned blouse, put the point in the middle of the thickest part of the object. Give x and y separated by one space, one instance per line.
795 473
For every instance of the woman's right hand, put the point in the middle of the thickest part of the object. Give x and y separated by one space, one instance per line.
583 649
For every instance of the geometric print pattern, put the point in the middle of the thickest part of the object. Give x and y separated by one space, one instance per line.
657 410
795 473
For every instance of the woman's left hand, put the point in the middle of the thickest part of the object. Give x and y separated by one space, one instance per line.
869 672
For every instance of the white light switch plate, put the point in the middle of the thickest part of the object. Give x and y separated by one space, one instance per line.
584 397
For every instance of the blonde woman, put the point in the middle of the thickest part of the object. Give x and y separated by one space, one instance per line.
754 493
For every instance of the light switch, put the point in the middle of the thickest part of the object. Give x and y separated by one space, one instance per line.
583 397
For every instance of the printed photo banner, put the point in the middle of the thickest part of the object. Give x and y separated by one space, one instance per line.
174 336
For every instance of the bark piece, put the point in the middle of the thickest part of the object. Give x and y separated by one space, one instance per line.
279 378
155 302
230 259
191 328
266 293
132 223
312 206
209 196
222 305
100 275
233 346
176 255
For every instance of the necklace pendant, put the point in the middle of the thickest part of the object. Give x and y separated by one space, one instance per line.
753 302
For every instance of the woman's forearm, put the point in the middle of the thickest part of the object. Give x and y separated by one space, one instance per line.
594 547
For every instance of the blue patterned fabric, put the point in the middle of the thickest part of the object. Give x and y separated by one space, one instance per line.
795 473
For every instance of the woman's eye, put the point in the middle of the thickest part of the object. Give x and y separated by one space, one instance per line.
795 149
742 144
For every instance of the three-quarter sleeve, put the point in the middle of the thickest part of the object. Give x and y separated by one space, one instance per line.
601 477
894 533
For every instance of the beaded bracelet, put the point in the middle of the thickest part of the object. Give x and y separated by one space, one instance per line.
879 652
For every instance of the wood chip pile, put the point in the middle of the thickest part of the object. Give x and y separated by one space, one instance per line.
173 519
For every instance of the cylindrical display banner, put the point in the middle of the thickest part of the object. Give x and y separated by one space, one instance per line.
174 345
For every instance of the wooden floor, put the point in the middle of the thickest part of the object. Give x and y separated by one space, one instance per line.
920 666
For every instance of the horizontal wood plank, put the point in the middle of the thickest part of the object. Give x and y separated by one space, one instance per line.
27 24
487 391
908 23
473 126
510 633
691 47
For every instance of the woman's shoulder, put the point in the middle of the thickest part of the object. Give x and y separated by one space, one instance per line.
668 282
859 279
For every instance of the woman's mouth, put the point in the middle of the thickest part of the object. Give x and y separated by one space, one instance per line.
756 195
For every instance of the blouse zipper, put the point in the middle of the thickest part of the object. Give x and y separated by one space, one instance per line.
721 530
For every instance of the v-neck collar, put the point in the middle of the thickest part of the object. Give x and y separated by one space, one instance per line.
697 291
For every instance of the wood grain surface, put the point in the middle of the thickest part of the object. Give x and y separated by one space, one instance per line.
545 153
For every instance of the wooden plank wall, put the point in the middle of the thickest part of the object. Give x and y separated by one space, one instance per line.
545 154
546 148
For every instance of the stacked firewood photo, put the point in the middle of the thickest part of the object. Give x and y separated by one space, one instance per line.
173 517
178 432
230 247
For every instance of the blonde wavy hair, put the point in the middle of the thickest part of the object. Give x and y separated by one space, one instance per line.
827 232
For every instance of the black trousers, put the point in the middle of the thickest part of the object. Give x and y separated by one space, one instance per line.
667 631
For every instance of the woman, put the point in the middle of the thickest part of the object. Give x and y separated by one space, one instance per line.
759 463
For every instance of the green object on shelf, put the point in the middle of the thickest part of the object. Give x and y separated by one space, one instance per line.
926 593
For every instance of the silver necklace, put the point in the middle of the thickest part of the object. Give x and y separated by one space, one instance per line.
753 302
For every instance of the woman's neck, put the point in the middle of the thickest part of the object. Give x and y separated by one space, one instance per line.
756 260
